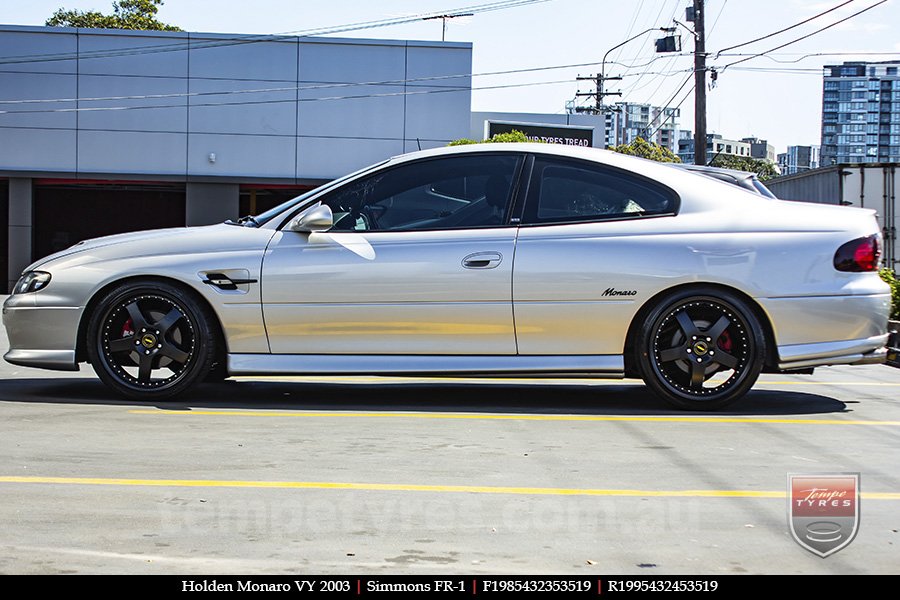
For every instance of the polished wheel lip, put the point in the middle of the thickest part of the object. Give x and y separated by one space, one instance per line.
151 341
699 353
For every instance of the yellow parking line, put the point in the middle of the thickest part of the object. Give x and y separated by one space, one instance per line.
510 417
402 487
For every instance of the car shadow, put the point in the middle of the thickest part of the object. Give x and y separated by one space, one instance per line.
629 397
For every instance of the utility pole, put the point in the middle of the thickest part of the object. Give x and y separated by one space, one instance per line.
598 94
699 83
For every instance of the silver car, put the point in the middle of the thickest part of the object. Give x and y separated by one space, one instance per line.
493 259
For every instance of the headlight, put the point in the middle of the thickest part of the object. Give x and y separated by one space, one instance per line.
32 281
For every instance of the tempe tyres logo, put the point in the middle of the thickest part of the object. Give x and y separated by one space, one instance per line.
824 511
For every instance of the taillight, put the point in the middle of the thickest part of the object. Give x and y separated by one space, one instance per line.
862 254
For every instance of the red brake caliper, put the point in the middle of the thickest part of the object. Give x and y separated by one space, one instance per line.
128 328
724 341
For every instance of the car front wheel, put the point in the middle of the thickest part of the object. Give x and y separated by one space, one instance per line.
701 349
150 340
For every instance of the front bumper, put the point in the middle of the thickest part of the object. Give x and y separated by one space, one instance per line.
41 336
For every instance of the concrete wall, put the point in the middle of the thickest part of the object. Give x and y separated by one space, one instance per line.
280 109
19 241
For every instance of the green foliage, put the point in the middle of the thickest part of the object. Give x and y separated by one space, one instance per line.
892 280
514 136
649 150
763 168
462 142
127 14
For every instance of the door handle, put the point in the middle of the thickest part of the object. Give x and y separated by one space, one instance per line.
482 260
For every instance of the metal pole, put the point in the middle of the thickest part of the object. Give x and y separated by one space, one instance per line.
699 84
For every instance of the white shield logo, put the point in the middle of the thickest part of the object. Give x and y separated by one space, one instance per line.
823 511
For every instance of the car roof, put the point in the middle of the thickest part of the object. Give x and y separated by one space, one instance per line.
642 166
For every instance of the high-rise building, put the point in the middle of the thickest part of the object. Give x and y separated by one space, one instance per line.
798 159
861 113
716 145
760 149
627 121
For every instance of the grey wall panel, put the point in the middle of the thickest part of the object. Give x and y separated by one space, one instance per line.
335 112
437 113
264 113
210 203
241 155
131 152
438 66
352 62
220 57
36 52
34 86
159 114
328 158
822 186
37 149
142 54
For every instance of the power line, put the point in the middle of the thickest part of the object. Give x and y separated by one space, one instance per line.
632 87
671 64
286 100
803 56
670 115
716 22
254 39
310 87
637 12
273 101
780 31
672 99
868 8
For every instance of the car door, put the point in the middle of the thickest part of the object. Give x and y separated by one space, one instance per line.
585 256
419 261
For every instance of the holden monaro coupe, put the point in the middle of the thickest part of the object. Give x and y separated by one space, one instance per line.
491 259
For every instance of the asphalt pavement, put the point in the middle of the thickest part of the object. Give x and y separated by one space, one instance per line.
384 475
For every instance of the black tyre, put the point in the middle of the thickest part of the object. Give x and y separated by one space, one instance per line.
151 340
700 349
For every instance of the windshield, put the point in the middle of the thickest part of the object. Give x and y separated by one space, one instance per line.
262 218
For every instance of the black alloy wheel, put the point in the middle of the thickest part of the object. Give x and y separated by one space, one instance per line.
701 349
151 341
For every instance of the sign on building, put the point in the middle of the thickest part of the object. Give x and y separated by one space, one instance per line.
569 135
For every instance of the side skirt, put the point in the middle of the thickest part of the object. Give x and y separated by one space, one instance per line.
607 366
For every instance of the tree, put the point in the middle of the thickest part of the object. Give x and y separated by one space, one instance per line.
127 14
763 168
649 150
514 136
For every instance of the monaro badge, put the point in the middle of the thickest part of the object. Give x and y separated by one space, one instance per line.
823 511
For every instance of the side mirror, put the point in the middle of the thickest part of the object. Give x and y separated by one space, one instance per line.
314 218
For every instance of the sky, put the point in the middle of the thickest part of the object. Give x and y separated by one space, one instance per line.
776 97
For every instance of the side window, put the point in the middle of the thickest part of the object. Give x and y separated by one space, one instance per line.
442 193
572 191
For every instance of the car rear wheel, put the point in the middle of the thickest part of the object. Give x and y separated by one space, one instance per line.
151 340
701 349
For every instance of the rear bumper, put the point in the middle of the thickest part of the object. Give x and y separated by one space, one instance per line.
866 351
